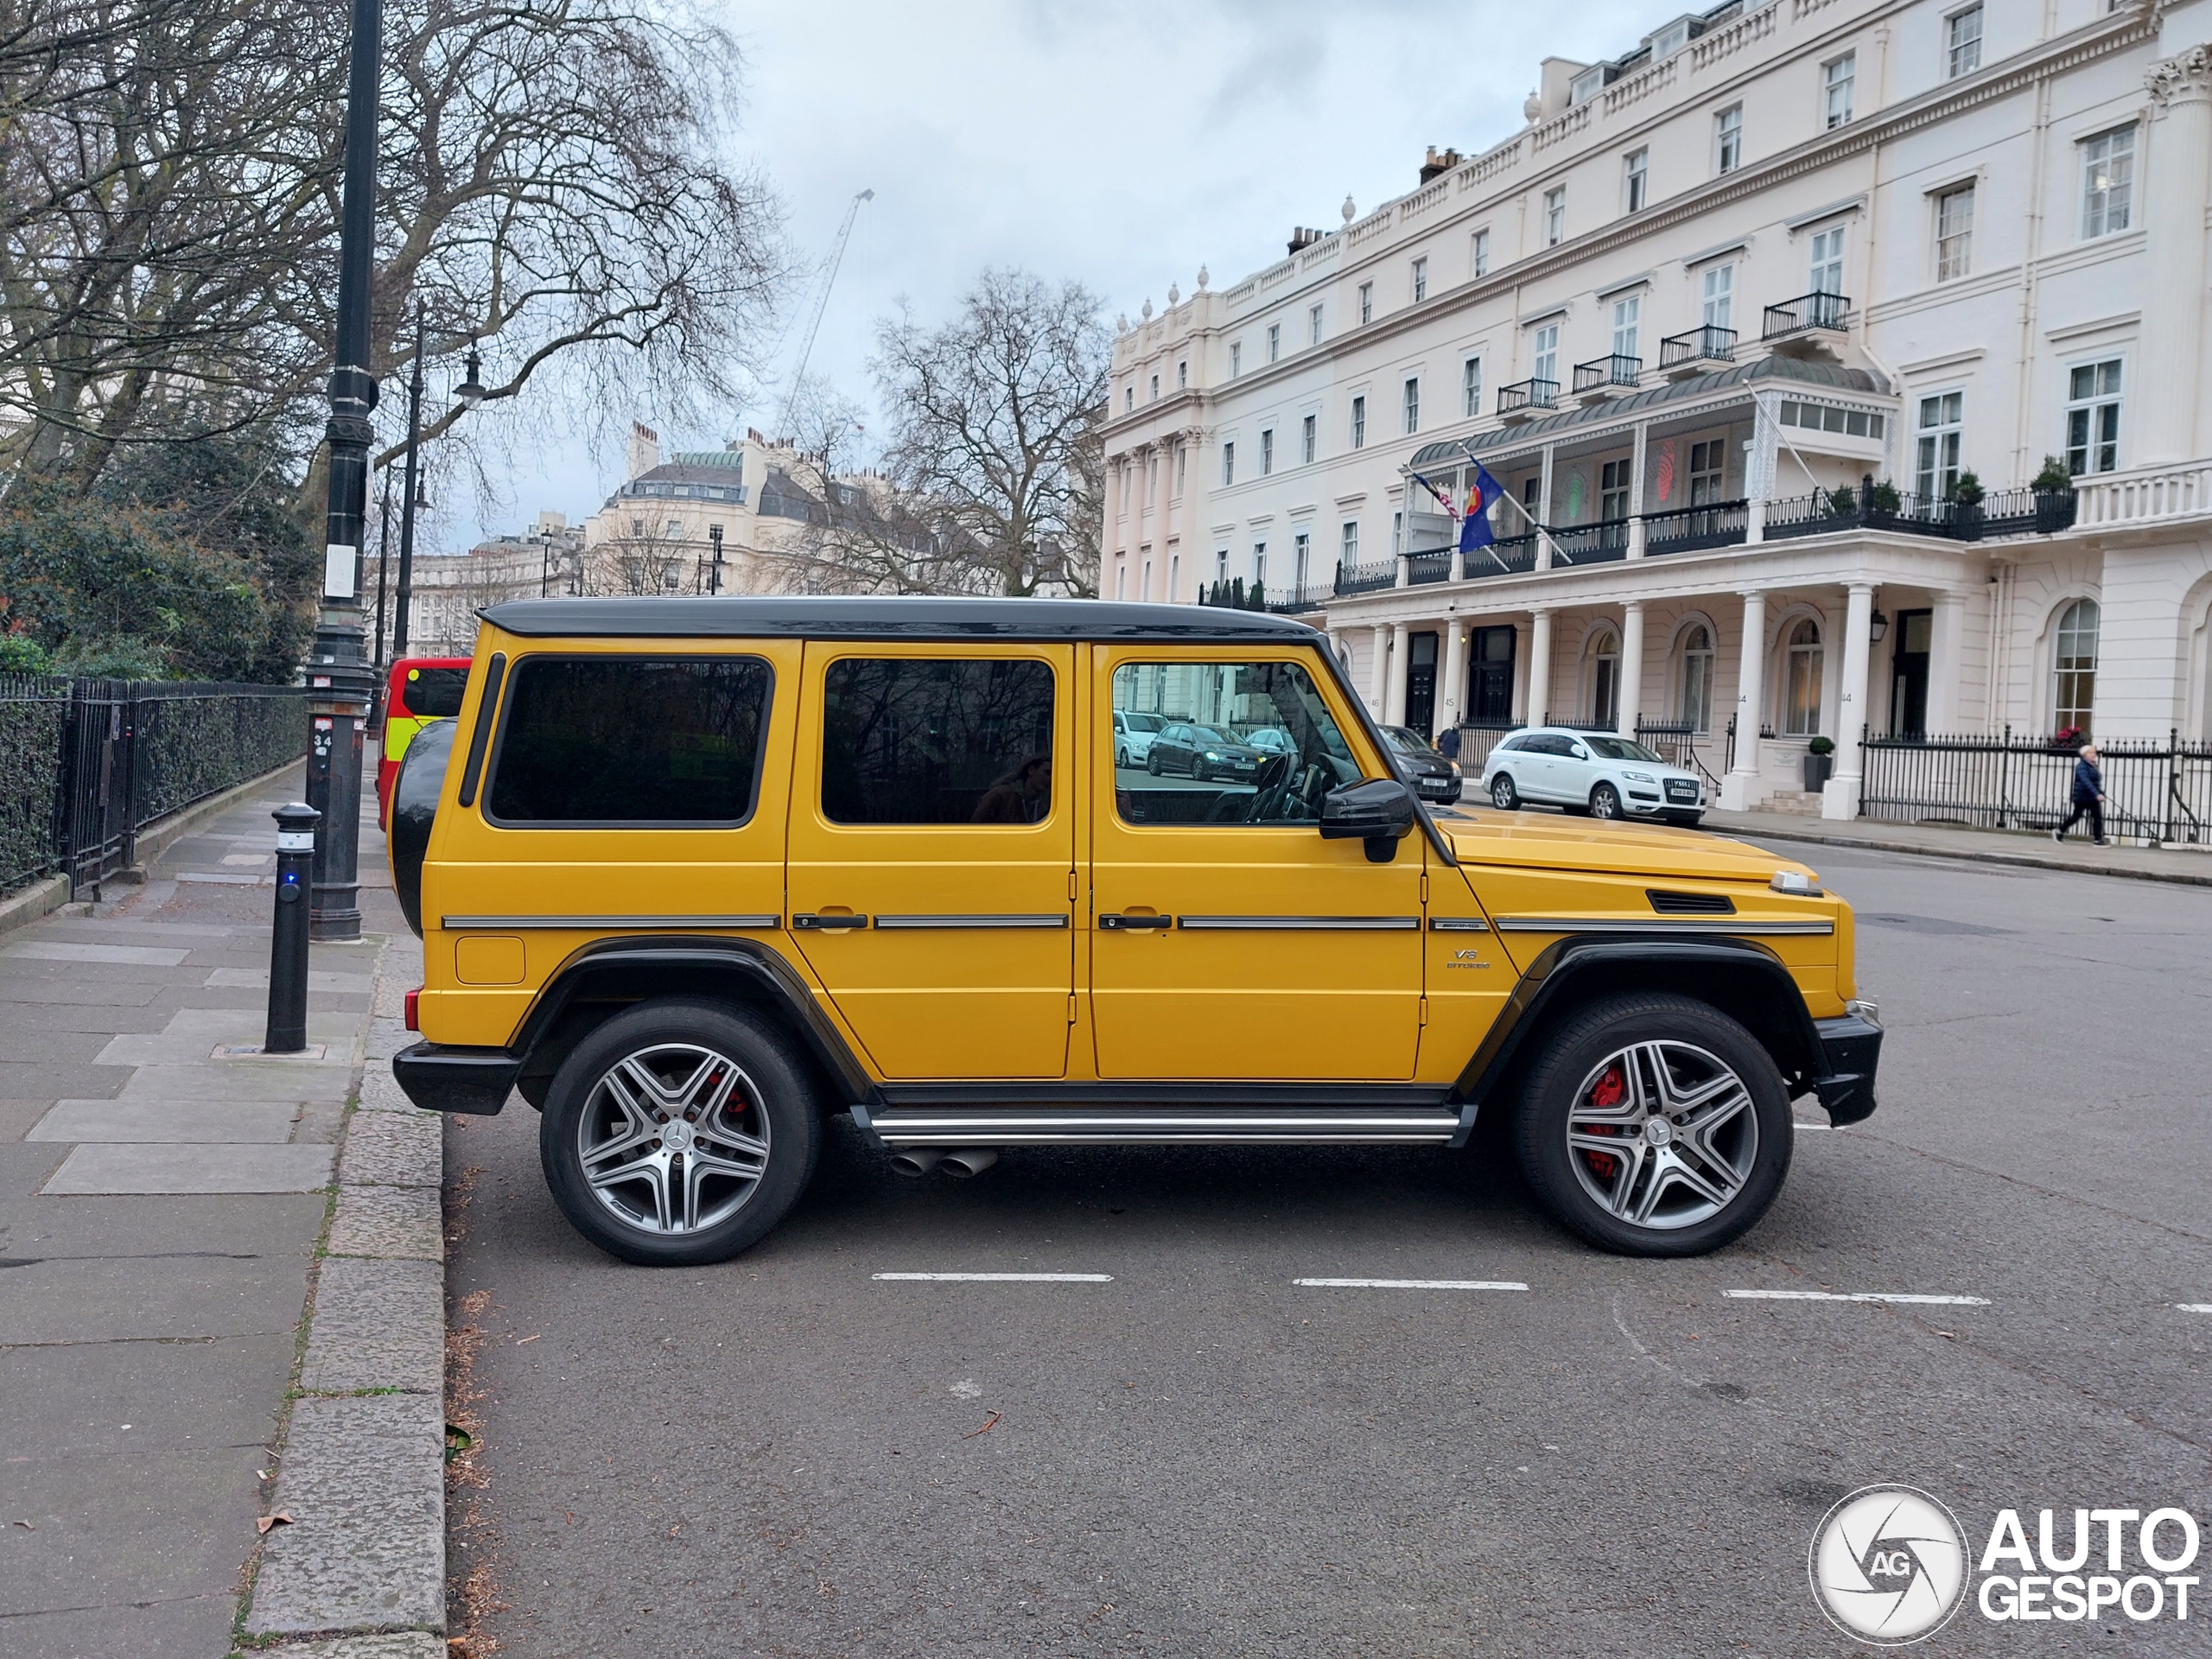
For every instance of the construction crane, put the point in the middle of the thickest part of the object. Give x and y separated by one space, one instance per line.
821 304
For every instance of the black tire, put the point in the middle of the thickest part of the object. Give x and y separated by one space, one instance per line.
1605 802
1575 1054
1152 762
1502 794
1121 759
777 1110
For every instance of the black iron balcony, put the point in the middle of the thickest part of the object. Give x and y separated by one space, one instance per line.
1429 567
1310 597
1365 578
1700 345
1805 314
1590 544
1525 396
1607 374
1509 556
1686 530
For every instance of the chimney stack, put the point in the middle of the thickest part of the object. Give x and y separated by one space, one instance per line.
644 449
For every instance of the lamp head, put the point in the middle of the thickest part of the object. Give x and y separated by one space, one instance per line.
471 392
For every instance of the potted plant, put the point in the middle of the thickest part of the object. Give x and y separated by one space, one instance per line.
2054 491
1820 763
1878 502
2068 740
1966 498
1843 500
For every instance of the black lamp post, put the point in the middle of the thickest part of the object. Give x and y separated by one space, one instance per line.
411 498
339 679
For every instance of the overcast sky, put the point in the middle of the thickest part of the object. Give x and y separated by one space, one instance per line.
1120 142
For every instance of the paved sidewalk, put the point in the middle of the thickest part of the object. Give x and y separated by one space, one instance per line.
2076 855
161 1211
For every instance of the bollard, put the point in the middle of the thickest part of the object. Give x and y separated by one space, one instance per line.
288 938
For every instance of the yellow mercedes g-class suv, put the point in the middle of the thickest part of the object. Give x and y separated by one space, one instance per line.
692 874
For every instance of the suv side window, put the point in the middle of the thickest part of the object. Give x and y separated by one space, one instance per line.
1280 781
927 739
646 742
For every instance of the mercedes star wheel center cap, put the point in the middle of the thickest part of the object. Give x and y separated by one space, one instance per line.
677 1136
1658 1131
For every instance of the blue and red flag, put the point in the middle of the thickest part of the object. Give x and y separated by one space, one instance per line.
1474 523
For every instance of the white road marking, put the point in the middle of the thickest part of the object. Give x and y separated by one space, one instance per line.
1857 1296
1012 1279
1414 1284
2194 1307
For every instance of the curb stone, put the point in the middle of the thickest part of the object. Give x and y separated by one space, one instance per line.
362 1471
1968 852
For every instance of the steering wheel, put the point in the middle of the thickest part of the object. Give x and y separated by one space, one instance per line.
1269 787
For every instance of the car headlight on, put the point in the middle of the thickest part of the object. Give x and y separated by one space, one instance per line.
1639 776
1210 755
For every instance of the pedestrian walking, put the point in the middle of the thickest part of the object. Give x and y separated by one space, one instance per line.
1448 744
2089 798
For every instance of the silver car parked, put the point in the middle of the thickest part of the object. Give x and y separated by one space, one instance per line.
1597 773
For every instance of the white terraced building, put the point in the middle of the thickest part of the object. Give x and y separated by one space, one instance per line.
1774 251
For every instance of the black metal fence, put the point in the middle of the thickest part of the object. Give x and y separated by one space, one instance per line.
1676 742
2154 792
85 765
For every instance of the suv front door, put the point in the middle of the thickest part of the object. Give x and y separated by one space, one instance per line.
932 864
1229 940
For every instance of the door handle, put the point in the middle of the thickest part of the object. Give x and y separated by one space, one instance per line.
807 922
1118 924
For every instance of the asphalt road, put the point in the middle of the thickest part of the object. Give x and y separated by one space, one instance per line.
786 1455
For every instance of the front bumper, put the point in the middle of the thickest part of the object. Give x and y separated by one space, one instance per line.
441 1079
1851 1047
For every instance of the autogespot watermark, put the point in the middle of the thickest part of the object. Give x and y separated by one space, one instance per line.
1890 1565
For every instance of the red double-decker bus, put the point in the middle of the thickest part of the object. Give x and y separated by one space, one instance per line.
420 688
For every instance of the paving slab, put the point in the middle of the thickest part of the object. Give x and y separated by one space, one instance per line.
319 979
363 1480
173 1122
388 1221
377 1324
192 1035
126 1398
57 1082
185 1627
141 955
394 1149
250 1079
199 1296
221 1167
398 1644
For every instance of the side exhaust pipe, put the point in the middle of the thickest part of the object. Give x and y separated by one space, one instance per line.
916 1160
966 1162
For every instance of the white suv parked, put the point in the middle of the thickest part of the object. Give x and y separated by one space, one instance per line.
1595 772
1133 735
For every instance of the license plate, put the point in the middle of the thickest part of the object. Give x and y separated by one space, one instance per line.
1682 791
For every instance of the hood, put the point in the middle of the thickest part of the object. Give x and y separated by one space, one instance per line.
1545 841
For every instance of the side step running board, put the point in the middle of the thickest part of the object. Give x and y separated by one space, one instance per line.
989 1126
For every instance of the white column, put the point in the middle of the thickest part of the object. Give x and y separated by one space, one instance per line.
1394 690
1741 788
1635 492
2177 172
1947 632
1543 513
1450 696
1540 671
1377 671
1632 696
1841 798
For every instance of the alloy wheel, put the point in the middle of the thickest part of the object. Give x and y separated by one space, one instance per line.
1503 795
673 1139
1605 802
1662 1134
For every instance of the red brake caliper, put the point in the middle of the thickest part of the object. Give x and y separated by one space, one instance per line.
1609 1090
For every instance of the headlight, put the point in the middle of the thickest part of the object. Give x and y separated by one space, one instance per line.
1639 776
1210 755
1454 765
1796 883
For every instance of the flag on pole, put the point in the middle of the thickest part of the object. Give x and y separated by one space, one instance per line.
1442 500
1474 525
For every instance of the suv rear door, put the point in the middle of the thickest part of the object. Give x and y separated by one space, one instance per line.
932 852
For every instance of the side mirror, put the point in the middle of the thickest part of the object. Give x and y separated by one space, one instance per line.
1580 752
1378 811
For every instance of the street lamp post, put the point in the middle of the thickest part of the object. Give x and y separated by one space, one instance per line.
408 485
383 559
339 680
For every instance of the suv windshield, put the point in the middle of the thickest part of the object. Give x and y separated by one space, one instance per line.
1619 748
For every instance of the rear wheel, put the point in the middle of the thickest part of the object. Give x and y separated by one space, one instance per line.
1655 1125
1152 763
1503 795
1605 802
678 1134
1121 758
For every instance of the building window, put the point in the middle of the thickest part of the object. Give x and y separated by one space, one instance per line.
1420 281
1478 256
1301 552
1471 387
1801 681
1267 451
2108 182
1120 579
1367 302
1182 460
1144 583
1413 405
1935 468
1954 233
1313 325
1697 678
1544 364
1719 297
1628 317
1236 358
1152 478
1837 79
1174 576
1348 545
1638 178
1275 341
1259 564
1728 139
1828 261
1397 534
1183 374
1612 491
1962 42
1554 216
1305 436
1221 564
1128 398
1155 395
2093 417
1606 679
1359 423
2073 667
1228 463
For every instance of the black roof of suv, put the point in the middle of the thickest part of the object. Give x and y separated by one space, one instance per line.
842 618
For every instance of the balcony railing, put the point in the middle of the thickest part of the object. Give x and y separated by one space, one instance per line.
1591 544
1311 597
1804 313
1364 578
2000 512
1429 567
1509 556
1607 372
1716 524
1524 395
1706 345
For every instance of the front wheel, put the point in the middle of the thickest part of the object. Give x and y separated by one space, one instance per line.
1152 763
678 1134
1605 802
1655 1125
1121 758
1503 795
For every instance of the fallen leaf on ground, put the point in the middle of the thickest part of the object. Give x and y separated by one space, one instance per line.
987 1422
281 1518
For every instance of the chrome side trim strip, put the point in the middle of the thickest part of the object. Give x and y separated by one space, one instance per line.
1046 920
1301 923
459 923
1017 1128
1458 925
1735 926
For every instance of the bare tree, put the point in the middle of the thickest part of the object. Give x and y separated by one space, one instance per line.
995 425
